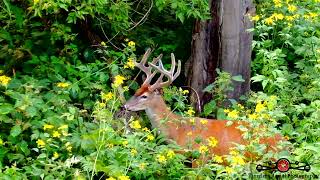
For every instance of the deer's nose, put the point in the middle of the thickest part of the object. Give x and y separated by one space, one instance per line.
125 107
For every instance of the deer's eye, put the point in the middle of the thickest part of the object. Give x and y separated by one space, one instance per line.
144 97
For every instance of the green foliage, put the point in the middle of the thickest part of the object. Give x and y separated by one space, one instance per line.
219 90
286 65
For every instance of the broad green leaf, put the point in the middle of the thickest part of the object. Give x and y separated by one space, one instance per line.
15 131
24 148
208 88
238 78
6 108
209 108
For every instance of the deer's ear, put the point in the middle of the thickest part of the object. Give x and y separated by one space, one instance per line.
159 91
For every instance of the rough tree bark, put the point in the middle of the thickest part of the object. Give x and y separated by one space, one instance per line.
224 43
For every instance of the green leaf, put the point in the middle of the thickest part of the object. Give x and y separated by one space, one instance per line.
180 16
24 148
6 36
209 108
31 111
238 78
15 131
18 12
6 108
208 88
221 114
258 78
264 83
287 128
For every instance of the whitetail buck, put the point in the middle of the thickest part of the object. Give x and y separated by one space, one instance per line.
176 127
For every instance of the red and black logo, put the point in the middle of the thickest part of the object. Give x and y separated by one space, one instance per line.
283 165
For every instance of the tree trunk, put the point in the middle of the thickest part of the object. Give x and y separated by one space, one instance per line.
221 42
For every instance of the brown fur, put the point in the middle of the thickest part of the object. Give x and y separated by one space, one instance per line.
141 90
176 128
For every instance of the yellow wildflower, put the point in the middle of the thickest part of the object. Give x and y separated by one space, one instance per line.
218 159
40 143
69 148
278 16
292 8
135 125
312 14
240 106
259 107
107 96
277 3
185 92
269 20
204 121
289 18
55 155
131 43
237 160
233 114
63 127
161 158
47 126
150 137
255 18
56 134
118 80
123 178
103 43
190 112
226 111
68 144
170 154
130 64
253 116
109 145
4 80
102 105
142 166
233 152
133 152
229 170
63 84
36 1
125 143
110 178
146 129
203 149
212 141
296 16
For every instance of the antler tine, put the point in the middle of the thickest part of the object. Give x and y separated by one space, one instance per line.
169 74
141 64
147 70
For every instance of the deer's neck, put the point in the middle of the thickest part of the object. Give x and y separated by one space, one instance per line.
160 116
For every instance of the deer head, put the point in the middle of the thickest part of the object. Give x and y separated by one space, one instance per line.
148 93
